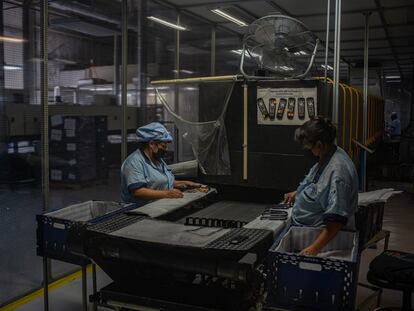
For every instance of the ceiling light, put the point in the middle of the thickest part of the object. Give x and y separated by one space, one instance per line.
184 71
11 39
392 77
229 17
165 23
12 67
329 67
393 81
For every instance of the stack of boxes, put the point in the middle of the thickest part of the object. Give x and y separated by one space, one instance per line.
73 152
102 150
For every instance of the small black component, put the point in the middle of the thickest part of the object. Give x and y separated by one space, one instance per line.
310 102
291 108
301 108
272 108
281 108
262 108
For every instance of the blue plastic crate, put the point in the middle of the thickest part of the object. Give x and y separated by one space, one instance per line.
296 282
53 227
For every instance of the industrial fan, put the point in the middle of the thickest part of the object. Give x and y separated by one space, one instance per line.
279 45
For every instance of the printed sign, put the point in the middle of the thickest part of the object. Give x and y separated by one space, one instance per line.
286 106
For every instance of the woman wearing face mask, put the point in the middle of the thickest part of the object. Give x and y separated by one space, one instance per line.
144 174
328 196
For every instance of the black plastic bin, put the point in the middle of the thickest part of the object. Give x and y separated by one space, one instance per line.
325 283
53 227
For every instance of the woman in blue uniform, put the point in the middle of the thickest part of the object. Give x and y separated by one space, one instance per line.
328 195
144 174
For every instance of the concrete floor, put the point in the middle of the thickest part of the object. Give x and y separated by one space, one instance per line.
398 218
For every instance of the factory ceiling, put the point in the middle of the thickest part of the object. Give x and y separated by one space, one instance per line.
391 43
391 25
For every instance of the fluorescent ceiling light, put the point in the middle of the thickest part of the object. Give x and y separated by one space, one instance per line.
393 81
12 67
246 54
11 39
229 17
165 23
329 67
64 61
392 77
184 71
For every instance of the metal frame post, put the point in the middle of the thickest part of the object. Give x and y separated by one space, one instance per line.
337 58
213 51
176 87
328 16
44 92
94 287
124 87
116 68
84 290
365 103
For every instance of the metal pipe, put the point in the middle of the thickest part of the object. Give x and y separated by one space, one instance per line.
124 87
328 14
84 290
245 130
213 51
337 53
45 284
176 89
94 288
365 103
198 79
116 68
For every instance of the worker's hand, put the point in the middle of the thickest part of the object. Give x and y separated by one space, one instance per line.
289 198
173 194
190 184
186 184
309 251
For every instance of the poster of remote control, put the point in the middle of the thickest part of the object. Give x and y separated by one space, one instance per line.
285 106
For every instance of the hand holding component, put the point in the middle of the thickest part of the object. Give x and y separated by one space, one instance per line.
289 198
173 194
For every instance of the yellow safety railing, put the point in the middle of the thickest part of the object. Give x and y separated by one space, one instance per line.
351 100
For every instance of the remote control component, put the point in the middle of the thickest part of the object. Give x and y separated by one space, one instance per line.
281 108
310 102
272 108
262 108
291 108
301 108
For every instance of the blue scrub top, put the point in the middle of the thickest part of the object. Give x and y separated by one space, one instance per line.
138 171
332 198
395 128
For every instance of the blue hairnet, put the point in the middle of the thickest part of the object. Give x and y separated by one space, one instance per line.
153 131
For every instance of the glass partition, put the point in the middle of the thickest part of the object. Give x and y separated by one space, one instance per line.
20 177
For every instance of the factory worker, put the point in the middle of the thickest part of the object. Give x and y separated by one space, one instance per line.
144 174
395 126
328 195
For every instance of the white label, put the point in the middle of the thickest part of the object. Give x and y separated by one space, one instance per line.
70 133
72 162
310 266
70 124
56 120
56 135
280 106
56 174
71 176
71 147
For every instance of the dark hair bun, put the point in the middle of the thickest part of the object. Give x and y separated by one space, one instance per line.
318 128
